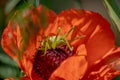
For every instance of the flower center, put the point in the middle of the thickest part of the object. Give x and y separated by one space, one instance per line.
53 50
44 65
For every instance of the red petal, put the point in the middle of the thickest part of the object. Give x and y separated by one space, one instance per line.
42 17
99 37
8 41
106 69
13 43
71 69
99 40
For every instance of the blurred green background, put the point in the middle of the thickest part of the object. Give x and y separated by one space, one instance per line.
110 9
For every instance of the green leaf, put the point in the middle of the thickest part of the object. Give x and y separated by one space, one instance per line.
10 5
8 67
59 5
8 71
116 78
113 9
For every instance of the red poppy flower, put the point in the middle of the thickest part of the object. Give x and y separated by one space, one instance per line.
73 45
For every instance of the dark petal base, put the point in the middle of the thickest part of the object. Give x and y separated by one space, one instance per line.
44 65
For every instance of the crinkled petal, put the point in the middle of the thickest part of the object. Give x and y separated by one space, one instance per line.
20 40
100 42
12 44
106 69
8 41
99 38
